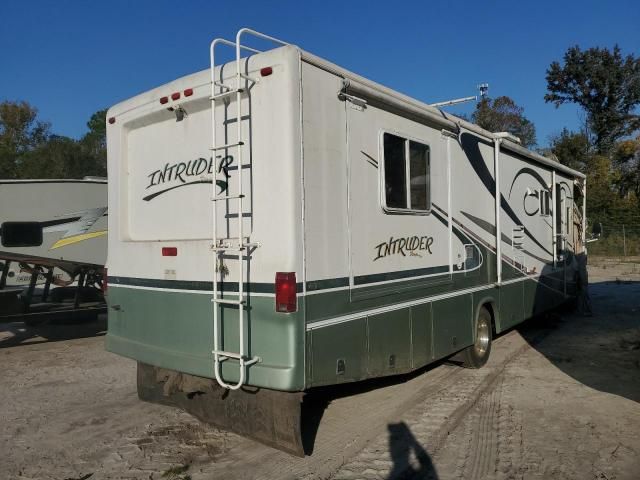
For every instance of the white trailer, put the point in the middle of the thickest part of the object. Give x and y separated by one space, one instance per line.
282 223
53 233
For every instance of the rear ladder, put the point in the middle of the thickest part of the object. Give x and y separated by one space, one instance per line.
223 246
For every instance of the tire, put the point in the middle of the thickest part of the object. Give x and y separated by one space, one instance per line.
477 354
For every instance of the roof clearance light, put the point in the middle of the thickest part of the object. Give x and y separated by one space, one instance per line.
286 299
169 251
188 92
266 71
112 120
164 100
175 96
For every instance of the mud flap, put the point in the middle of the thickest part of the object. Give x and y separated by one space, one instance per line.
267 416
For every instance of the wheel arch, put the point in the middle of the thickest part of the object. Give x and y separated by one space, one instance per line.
491 305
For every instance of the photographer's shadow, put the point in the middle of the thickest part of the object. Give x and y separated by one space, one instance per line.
410 459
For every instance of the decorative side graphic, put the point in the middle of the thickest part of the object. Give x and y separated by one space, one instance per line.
75 225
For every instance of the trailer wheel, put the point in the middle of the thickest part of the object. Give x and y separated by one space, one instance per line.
477 354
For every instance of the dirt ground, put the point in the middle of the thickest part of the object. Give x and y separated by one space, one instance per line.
559 398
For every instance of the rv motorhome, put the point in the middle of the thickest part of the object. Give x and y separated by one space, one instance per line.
280 223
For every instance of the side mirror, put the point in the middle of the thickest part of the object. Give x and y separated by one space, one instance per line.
596 230
21 234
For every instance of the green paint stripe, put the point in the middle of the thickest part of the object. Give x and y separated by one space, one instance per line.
381 277
315 285
194 285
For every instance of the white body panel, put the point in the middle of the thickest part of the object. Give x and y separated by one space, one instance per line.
176 210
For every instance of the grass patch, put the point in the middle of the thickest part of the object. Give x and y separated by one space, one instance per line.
177 473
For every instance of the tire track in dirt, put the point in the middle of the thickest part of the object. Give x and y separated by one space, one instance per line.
433 420
488 442
346 427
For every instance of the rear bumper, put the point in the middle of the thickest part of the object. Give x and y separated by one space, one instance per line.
174 330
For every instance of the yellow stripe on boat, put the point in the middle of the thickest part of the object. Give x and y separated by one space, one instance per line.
77 238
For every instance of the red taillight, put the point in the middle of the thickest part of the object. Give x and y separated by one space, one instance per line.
266 71
164 100
188 92
112 120
286 300
105 284
169 251
175 96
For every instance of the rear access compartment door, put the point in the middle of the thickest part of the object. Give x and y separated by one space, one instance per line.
169 169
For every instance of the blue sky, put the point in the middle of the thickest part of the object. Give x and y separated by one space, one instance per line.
71 58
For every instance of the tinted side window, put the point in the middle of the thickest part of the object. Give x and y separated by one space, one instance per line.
419 171
395 171
406 174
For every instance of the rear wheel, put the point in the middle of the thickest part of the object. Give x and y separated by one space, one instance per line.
477 354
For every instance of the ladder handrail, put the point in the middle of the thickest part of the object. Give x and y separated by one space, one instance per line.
239 144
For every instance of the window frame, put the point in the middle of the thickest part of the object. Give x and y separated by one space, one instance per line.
545 203
407 161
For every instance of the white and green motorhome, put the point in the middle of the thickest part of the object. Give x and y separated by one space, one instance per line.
279 223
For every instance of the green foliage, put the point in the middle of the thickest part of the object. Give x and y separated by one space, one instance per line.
95 141
502 114
571 149
20 132
615 242
28 150
626 159
605 84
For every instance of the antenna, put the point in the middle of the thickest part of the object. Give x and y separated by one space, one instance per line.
483 88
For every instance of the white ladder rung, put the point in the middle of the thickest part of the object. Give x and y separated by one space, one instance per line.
237 356
226 94
222 353
234 248
227 145
228 302
228 197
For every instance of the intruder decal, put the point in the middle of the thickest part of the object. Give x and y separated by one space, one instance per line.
404 246
183 172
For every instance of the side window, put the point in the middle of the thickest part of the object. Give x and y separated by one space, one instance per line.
395 171
406 174
545 203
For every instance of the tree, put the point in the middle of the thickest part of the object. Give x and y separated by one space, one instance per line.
20 132
60 157
605 84
571 149
626 159
28 150
95 141
502 114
